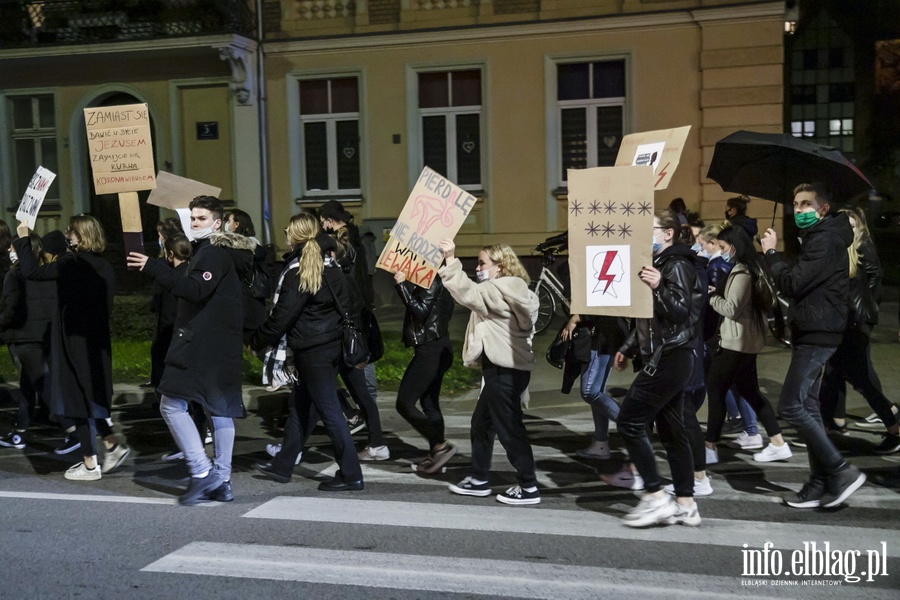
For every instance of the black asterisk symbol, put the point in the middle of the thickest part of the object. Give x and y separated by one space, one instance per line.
609 229
625 230
595 207
592 230
645 208
610 207
628 209
576 208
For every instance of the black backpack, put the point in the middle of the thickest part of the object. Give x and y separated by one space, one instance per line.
259 280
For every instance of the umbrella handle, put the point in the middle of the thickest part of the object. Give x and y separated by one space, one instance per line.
774 212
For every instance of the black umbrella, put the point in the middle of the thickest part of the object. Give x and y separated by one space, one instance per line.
771 165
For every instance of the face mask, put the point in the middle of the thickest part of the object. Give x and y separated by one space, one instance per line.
656 247
727 257
484 275
806 220
696 248
13 257
202 234
727 216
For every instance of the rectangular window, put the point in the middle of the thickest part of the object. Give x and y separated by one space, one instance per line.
329 117
590 98
803 128
450 124
33 130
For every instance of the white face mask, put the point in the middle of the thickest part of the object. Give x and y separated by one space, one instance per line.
484 275
13 257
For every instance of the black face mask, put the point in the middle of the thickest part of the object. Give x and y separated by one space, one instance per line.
727 216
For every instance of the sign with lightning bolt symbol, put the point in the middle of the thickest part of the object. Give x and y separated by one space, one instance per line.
604 270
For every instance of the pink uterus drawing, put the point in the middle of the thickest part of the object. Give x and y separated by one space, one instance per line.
430 210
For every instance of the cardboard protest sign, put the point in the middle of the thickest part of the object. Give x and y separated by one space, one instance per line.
658 149
120 147
34 196
434 211
610 239
175 192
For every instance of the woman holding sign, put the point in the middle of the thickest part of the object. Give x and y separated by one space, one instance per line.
80 348
498 339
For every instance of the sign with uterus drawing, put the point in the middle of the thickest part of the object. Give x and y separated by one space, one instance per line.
435 210
610 239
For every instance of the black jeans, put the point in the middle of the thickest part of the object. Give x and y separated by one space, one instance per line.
663 394
852 362
355 380
499 412
317 368
731 368
87 429
422 383
693 400
32 363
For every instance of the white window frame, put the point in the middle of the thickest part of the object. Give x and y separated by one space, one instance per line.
450 113
36 134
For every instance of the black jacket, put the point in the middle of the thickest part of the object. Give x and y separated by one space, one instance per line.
677 304
242 251
353 262
204 360
428 312
865 290
28 309
310 320
818 284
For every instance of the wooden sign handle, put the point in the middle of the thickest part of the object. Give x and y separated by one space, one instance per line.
132 232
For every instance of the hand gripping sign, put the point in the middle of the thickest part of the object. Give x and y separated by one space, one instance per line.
34 196
435 210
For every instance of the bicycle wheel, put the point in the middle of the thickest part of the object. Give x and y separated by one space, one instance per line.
546 309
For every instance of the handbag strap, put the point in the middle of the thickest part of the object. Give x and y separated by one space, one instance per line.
345 316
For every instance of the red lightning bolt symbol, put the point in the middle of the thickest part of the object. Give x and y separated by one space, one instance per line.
662 174
607 261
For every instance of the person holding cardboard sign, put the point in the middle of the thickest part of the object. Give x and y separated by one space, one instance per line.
80 347
498 340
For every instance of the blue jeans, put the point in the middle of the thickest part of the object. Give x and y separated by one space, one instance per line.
736 405
799 406
175 413
604 409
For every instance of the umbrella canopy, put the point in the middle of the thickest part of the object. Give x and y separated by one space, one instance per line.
771 165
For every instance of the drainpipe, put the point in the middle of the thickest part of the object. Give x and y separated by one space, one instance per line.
263 131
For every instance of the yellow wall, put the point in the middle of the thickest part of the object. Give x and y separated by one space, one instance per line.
209 161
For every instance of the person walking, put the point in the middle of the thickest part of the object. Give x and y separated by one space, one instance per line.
665 343
80 346
818 287
426 330
498 340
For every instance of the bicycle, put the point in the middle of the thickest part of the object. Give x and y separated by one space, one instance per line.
547 286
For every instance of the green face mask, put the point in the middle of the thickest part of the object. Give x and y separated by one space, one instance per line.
807 219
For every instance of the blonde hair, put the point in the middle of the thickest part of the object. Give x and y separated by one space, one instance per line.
303 229
860 237
89 232
710 233
510 265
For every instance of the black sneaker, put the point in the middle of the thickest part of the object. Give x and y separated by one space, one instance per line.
200 490
271 471
517 495
467 487
225 493
13 439
840 485
70 444
809 496
889 445
732 426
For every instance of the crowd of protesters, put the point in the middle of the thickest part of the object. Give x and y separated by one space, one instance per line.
712 291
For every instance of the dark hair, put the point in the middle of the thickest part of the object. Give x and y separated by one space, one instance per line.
762 296
169 227
694 220
669 220
678 206
180 246
54 243
243 223
37 248
5 236
209 203
820 189
334 210
739 204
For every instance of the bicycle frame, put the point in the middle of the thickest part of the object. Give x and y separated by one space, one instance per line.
554 285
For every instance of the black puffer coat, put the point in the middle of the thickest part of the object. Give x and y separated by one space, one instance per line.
428 312
677 305
204 360
28 309
80 347
242 251
818 284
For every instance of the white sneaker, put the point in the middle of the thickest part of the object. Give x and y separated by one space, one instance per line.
173 455
377 453
712 456
625 478
747 442
702 487
114 458
651 511
873 421
771 453
685 515
273 449
81 473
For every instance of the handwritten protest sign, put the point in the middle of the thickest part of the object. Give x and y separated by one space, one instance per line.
658 149
120 148
34 196
610 232
435 210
